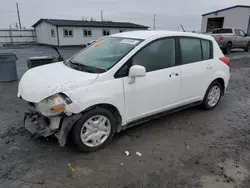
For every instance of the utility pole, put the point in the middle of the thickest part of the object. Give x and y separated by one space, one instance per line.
101 15
154 23
183 28
11 37
18 15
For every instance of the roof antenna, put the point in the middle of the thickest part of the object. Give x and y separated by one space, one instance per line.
183 28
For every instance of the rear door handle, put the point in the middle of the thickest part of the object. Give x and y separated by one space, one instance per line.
174 74
209 66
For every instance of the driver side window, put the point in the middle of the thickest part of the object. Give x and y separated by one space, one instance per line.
242 33
158 55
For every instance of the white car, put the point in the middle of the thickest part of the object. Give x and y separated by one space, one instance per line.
120 81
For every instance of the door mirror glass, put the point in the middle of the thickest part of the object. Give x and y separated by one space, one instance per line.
137 71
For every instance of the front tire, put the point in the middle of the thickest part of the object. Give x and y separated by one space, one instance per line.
212 96
94 130
247 48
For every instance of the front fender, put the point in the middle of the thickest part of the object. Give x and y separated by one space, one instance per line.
97 93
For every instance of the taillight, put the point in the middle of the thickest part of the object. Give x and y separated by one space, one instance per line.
225 60
221 38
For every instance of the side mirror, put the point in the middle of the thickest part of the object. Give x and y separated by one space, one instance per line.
136 71
246 35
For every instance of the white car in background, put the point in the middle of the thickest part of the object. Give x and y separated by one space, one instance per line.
120 81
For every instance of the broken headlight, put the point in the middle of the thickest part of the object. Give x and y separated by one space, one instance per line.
53 105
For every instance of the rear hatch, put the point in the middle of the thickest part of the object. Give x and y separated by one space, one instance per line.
219 34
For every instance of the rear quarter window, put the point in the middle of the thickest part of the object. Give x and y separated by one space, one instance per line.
207 49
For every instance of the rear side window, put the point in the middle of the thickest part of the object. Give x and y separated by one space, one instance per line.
194 50
237 32
218 31
190 50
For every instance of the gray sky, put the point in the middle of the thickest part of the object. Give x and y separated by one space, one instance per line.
169 13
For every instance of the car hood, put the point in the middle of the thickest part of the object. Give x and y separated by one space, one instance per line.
43 81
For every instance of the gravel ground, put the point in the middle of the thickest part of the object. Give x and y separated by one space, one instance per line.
189 149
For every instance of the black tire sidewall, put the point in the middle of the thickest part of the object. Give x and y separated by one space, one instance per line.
79 124
227 49
205 104
247 47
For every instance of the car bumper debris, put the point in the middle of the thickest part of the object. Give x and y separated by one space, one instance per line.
41 126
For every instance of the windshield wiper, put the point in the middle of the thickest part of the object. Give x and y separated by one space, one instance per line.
87 67
80 67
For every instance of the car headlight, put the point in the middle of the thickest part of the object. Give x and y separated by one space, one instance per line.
53 105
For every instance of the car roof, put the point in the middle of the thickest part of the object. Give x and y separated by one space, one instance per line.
159 33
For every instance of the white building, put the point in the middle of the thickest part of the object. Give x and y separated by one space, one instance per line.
76 32
232 17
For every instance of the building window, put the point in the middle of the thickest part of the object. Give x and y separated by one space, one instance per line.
52 32
67 32
105 32
87 32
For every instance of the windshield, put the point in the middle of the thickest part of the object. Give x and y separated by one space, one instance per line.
217 31
106 52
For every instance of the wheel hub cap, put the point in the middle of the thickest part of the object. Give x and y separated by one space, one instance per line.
214 96
95 131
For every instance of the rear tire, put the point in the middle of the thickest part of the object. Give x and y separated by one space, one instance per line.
212 96
94 130
228 48
247 48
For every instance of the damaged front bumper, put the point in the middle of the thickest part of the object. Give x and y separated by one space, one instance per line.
41 126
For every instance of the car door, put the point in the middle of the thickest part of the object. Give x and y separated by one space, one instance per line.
244 39
237 43
197 68
159 89
239 38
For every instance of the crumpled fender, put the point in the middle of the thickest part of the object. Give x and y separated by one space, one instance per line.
37 125
67 125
